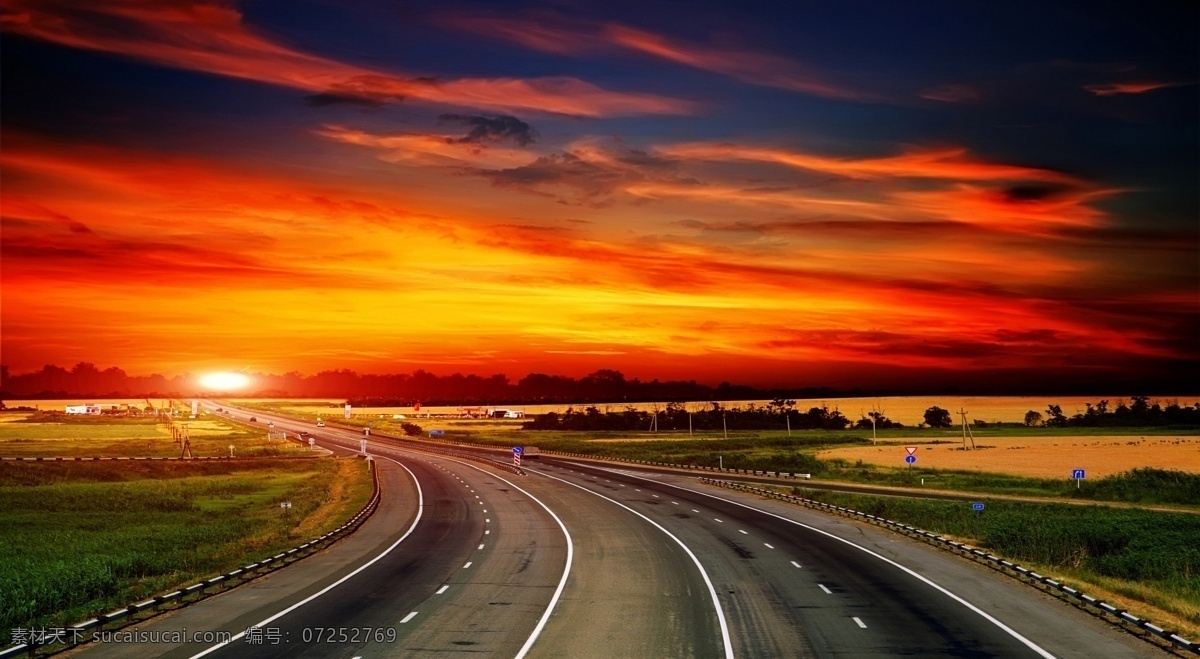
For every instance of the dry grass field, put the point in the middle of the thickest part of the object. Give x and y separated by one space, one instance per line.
1038 457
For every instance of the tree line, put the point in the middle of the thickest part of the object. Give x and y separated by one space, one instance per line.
393 389
1139 411
777 414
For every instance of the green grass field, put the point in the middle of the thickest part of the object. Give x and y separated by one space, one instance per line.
84 538
1146 556
31 434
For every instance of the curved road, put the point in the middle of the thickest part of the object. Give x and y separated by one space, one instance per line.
579 560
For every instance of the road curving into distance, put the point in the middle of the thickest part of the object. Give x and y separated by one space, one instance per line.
580 560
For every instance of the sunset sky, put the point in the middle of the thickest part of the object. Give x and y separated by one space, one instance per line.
811 194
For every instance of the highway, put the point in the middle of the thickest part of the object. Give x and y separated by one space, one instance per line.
579 560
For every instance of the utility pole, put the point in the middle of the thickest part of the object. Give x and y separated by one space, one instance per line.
724 426
966 429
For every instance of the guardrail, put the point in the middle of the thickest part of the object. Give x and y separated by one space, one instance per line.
220 583
1096 606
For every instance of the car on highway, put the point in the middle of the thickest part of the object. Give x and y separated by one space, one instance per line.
253 419
320 424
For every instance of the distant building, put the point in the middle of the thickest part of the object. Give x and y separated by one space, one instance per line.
498 413
83 409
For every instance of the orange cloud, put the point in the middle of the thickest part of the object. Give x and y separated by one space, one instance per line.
212 38
1115 88
951 164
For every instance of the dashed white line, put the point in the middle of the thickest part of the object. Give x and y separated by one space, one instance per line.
487 532
718 519
742 532
443 589
827 591
481 546
768 545
726 641
795 563
860 623
469 565
408 617
983 614
675 502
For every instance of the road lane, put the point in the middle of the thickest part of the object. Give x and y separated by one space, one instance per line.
777 609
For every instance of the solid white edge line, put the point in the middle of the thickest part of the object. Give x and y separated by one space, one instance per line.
420 511
1010 631
712 591
562 583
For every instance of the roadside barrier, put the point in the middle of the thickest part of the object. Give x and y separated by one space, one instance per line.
1088 603
206 587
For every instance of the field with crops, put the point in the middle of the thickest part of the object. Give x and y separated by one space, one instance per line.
1037 456
40 434
84 538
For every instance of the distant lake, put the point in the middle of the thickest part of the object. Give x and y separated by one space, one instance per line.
908 410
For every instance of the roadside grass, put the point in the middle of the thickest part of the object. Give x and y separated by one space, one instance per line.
1146 560
32 434
85 538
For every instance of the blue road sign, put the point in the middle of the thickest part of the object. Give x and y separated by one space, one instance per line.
517 450
1077 474
910 459
977 506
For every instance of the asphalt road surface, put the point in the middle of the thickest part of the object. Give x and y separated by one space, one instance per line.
579 560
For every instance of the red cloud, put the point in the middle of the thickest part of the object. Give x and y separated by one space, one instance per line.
552 33
214 39
1115 88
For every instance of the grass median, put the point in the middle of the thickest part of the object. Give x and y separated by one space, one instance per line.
85 538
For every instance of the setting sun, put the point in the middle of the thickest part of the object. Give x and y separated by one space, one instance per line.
224 381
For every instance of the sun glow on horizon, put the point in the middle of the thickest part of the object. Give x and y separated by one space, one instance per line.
224 381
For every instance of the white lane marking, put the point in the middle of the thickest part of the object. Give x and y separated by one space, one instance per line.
860 623
718 519
481 545
984 614
467 565
768 545
408 617
562 583
485 509
742 532
656 496
443 589
725 639
795 563
675 502
827 591
487 532
694 510
488 521
326 589
637 489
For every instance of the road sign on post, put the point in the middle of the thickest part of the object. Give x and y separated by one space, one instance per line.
1078 475
910 459
977 507
311 442
912 450
517 451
